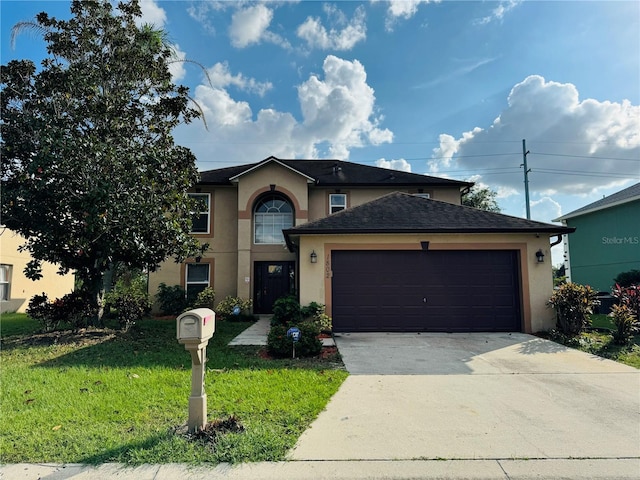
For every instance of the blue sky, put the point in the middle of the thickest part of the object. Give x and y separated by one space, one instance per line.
445 88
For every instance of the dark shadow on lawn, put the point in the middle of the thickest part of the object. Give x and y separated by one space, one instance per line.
120 453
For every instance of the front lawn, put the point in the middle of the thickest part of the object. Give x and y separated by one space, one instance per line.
105 396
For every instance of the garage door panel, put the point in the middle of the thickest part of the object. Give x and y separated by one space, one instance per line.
464 291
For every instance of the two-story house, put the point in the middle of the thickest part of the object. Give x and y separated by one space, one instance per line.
384 250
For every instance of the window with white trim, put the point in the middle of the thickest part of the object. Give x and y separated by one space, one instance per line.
201 220
337 202
5 282
422 195
272 215
197 279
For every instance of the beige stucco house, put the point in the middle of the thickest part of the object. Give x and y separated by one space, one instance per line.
383 250
15 289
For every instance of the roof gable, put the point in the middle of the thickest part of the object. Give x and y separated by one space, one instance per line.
405 213
268 161
629 194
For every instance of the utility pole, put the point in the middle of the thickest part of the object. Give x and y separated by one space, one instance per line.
525 152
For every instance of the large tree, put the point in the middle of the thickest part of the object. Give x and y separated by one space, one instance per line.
482 198
90 172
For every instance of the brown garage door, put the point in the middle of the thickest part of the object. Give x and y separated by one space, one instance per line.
422 291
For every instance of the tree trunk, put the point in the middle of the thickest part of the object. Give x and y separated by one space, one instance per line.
93 287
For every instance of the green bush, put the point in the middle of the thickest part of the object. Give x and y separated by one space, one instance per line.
626 279
224 310
205 299
172 300
286 310
626 324
130 299
316 313
573 304
281 346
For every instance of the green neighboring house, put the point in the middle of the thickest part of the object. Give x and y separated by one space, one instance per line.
606 241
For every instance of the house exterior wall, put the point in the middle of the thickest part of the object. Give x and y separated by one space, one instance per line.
536 278
21 289
232 252
606 242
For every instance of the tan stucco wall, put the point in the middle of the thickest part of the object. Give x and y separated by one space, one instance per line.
22 289
536 279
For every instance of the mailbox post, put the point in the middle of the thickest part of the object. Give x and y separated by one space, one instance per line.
194 328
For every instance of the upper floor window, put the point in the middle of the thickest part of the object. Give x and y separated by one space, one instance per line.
272 215
423 195
337 202
201 220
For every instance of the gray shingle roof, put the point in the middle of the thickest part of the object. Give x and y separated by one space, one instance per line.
623 196
405 213
335 173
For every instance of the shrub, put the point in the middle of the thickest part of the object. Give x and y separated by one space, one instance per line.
573 304
172 300
73 309
286 310
40 309
629 296
130 299
316 313
205 299
225 309
626 279
281 346
625 322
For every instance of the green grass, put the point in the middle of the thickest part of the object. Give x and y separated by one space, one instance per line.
598 341
114 397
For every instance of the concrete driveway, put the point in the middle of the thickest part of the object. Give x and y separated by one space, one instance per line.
475 396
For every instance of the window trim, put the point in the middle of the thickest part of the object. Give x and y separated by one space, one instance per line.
343 207
260 201
208 212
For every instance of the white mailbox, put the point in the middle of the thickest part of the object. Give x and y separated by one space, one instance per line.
196 326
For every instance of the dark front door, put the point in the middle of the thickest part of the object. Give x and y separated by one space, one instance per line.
272 281
437 291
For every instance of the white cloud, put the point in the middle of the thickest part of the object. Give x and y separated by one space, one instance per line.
221 77
545 209
343 38
575 145
250 25
152 14
338 114
402 9
498 13
399 164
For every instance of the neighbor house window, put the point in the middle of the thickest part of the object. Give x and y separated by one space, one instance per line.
272 215
423 195
337 202
202 217
5 281
197 279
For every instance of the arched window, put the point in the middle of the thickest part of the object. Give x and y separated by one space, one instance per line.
272 214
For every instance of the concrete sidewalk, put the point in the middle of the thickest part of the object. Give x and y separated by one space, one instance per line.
591 469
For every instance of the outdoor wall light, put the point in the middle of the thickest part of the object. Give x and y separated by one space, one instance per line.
313 257
540 256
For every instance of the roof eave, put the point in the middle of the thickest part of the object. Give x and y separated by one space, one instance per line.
579 212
